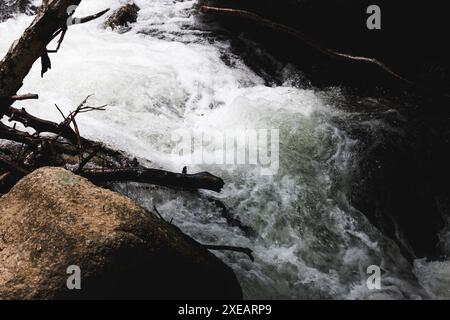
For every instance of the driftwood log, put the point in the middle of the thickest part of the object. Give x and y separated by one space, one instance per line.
202 180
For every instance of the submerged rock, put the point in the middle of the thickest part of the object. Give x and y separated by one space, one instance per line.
123 16
52 220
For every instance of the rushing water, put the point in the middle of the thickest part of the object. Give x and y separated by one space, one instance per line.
166 74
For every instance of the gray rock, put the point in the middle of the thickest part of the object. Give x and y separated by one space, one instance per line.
53 219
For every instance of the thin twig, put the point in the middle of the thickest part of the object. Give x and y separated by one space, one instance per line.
159 214
12 167
62 114
87 159
247 251
89 18
28 96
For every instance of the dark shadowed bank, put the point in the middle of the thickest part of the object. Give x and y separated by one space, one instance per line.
400 177
411 40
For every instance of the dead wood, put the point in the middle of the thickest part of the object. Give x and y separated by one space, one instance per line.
230 217
28 96
12 168
202 180
247 251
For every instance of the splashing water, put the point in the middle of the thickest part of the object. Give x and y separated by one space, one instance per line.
166 74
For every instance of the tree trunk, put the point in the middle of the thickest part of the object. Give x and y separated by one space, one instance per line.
31 46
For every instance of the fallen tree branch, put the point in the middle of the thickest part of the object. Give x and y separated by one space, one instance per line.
62 129
28 96
40 125
247 251
12 134
4 176
161 217
230 217
13 168
88 18
51 20
86 160
202 180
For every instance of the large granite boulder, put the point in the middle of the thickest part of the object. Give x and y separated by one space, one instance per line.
54 222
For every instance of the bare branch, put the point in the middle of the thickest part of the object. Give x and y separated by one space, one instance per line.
86 160
247 251
89 18
230 217
202 180
13 168
28 96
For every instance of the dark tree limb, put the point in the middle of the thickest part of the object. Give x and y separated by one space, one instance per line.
202 180
12 134
230 217
34 142
247 251
40 125
161 217
13 168
89 18
4 178
28 96
86 160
